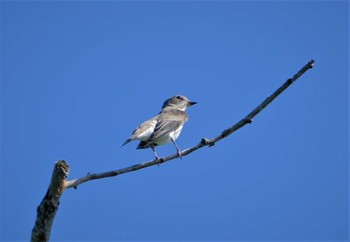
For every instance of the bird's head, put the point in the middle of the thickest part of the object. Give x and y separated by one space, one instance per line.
178 102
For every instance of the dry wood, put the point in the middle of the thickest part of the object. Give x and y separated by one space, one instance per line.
48 207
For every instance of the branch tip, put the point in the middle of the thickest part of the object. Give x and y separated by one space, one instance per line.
311 63
62 165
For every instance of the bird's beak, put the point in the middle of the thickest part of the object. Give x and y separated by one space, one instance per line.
191 103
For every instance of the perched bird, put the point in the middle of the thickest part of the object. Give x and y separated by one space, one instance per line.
163 128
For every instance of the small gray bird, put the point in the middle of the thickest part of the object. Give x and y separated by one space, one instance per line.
163 128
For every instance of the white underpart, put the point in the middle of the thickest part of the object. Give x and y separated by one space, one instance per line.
165 139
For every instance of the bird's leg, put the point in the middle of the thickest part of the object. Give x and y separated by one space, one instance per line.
155 154
154 151
177 149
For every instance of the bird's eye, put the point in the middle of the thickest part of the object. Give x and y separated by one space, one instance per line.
179 97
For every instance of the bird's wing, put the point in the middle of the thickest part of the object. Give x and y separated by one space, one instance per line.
145 128
168 121
144 131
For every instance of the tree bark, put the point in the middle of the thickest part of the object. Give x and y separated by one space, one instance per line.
48 207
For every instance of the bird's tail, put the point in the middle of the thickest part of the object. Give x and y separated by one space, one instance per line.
126 141
143 145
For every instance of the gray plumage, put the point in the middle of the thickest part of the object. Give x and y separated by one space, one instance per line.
163 128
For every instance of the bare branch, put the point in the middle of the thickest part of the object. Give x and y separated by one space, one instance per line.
48 207
204 142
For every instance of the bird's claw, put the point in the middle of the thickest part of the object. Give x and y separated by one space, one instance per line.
161 160
179 154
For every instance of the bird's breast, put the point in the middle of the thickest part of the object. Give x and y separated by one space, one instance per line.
176 132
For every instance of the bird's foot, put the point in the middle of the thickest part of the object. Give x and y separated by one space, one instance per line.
161 160
179 154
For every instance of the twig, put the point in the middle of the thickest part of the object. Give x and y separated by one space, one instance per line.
204 142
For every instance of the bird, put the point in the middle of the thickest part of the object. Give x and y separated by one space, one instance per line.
163 128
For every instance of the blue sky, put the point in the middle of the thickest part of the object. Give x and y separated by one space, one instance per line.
78 76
